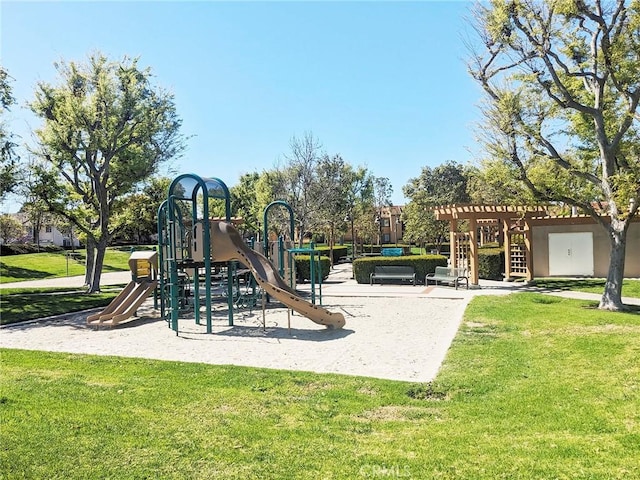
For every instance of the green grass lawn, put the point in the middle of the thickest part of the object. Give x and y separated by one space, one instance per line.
38 266
20 304
630 288
532 387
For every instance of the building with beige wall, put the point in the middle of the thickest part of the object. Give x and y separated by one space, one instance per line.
536 244
578 246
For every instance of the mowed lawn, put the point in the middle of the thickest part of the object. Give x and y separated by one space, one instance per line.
630 287
19 304
39 266
533 387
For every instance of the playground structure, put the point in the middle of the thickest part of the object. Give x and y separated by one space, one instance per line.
144 280
193 248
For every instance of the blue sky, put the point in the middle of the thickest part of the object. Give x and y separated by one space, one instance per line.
384 84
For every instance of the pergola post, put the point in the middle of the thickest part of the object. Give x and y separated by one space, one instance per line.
505 215
473 251
528 249
506 223
453 245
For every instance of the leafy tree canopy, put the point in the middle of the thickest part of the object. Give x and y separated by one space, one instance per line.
8 157
106 128
561 107
442 185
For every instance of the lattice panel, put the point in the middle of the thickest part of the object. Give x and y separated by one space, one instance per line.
461 257
518 255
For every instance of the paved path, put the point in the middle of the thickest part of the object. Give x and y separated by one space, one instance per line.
340 284
110 278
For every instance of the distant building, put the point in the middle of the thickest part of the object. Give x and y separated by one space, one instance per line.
48 235
390 226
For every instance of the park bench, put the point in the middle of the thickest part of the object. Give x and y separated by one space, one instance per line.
392 272
448 275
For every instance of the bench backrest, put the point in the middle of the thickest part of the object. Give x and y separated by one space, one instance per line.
402 269
451 272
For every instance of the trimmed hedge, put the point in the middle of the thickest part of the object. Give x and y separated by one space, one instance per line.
303 270
339 251
491 263
444 248
22 248
422 264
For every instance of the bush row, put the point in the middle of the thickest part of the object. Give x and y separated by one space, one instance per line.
303 267
444 247
339 251
22 248
422 264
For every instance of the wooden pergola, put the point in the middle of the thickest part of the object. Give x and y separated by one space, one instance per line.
513 227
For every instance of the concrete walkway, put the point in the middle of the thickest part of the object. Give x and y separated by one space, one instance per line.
111 278
340 284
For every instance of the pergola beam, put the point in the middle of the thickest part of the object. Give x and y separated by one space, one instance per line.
487 212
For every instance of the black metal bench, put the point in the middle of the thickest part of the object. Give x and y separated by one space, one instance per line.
448 275
392 272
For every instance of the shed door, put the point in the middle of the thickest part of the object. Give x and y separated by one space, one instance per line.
571 254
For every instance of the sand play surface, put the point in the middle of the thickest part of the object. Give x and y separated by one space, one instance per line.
392 332
393 338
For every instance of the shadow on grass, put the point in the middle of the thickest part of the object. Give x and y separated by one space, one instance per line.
21 307
18 272
628 308
565 284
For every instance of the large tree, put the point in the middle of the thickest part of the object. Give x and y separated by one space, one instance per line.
300 176
244 202
10 228
360 201
334 180
296 182
382 191
562 91
442 185
106 128
8 156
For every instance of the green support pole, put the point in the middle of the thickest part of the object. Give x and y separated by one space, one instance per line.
281 256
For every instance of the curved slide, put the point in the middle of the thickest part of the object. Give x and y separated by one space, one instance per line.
228 245
125 304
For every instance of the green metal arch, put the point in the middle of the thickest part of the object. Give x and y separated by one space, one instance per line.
265 220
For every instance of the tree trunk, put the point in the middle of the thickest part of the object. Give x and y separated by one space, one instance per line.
612 296
331 244
90 260
101 248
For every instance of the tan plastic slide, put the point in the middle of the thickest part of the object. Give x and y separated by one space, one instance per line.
144 267
125 304
226 245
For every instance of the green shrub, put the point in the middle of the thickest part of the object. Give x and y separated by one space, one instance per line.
303 270
422 264
444 248
23 248
491 263
339 251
